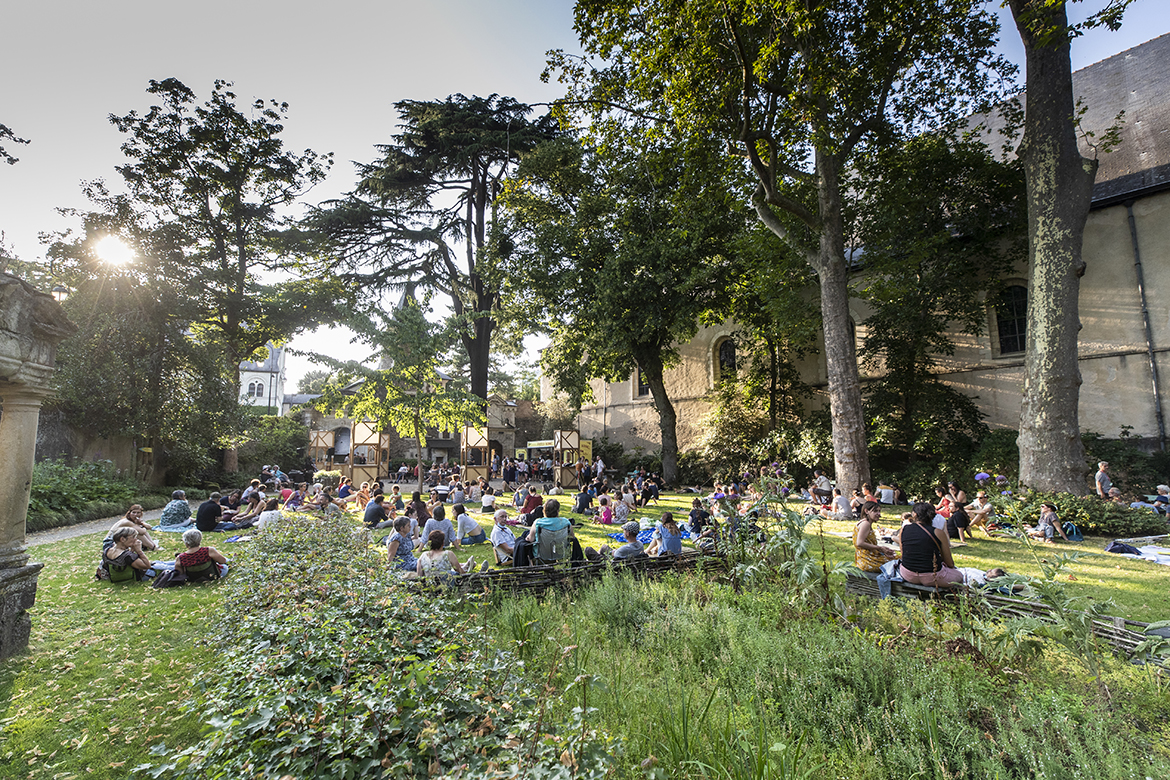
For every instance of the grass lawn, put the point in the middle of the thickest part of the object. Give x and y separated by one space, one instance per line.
108 665
106 668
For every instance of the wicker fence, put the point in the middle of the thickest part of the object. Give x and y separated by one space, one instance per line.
1121 634
538 579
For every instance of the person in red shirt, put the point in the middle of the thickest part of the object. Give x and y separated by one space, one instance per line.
532 501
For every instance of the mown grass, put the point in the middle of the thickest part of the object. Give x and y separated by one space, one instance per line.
106 669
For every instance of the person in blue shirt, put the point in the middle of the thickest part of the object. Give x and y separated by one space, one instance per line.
667 538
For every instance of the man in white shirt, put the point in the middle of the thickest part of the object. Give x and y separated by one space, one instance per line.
821 488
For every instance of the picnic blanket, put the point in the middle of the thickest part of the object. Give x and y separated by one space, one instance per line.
1152 553
645 535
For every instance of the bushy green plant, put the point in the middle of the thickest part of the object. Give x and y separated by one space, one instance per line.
612 453
336 669
62 486
1091 514
694 468
328 478
709 670
279 440
1131 468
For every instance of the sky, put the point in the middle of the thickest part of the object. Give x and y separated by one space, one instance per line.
68 64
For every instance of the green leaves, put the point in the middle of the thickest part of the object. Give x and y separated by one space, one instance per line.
340 671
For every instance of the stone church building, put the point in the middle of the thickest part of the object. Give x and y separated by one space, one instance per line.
1124 299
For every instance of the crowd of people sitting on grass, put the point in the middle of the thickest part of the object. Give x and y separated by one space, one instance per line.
424 531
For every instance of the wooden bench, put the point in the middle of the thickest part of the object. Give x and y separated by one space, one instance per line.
1120 634
864 583
538 579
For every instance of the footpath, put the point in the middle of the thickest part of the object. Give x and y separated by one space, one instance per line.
82 529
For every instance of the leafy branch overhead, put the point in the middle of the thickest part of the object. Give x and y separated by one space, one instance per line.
406 392
6 134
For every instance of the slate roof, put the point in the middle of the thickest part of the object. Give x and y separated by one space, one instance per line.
1133 81
270 365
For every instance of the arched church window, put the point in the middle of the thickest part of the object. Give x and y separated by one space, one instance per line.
726 359
1011 319
251 388
259 389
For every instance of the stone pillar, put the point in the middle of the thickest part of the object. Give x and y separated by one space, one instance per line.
31 325
18 578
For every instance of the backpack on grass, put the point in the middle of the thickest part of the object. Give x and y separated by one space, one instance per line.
1073 533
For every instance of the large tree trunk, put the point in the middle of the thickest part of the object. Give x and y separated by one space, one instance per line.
850 449
667 419
1060 188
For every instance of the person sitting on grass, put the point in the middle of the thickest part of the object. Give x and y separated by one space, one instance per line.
1049 524
1161 501
440 562
467 530
177 513
958 524
667 538
605 513
362 497
631 549
376 516
132 519
296 499
251 512
503 540
439 522
196 555
487 502
980 511
209 514
400 548
271 514
232 502
395 497
124 560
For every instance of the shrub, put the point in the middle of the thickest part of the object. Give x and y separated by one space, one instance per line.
1131 469
279 440
328 478
332 668
1094 516
62 487
694 468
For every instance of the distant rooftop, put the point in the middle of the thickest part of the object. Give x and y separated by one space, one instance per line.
270 365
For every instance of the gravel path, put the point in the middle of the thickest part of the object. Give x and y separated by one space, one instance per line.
82 529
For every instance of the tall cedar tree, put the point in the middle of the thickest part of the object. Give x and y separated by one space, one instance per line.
620 252
796 88
425 211
1060 190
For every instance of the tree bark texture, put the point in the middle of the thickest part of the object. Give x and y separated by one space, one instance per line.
668 427
1059 188
850 448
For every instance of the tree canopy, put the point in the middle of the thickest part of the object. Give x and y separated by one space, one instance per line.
406 392
425 210
795 89
620 251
